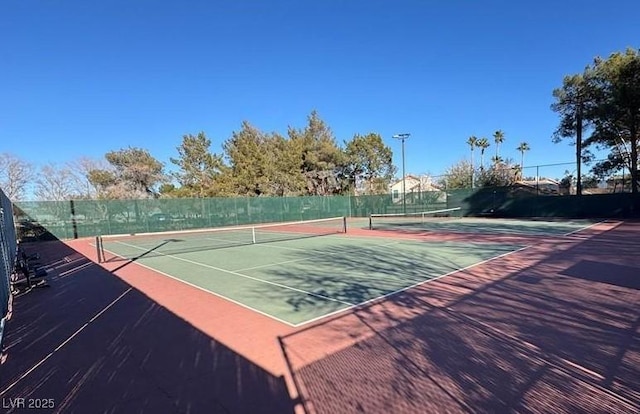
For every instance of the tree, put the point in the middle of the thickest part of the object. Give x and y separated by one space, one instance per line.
523 147
605 98
458 175
501 174
615 89
615 162
473 142
322 159
132 173
572 100
55 183
168 190
483 144
15 175
249 161
104 180
518 172
284 161
198 167
368 157
564 184
79 170
498 138
591 181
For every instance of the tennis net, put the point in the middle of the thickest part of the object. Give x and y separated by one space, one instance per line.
134 246
408 220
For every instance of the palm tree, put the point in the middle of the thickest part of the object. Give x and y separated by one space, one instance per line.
483 144
473 142
522 148
498 138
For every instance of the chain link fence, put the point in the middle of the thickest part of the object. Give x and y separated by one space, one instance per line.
8 248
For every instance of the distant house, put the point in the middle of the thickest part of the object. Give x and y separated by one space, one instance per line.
541 186
413 185
618 184
597 190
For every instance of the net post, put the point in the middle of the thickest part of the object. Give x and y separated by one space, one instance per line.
98 250
253 235
370 223
344 224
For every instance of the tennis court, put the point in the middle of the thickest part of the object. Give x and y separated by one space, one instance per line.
298 272
450 220
223 318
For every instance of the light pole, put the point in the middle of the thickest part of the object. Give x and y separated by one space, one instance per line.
403 137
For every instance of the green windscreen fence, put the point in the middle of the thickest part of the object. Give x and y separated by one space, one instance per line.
83 218
8 247
521 202
415 202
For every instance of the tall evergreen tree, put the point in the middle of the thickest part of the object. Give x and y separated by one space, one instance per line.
198 167
605 98
369 158
322 159
615 84
249 161
132 173
572 101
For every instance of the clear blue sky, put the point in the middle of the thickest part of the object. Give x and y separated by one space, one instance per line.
81 78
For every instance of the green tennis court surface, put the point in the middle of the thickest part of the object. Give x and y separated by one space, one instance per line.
302 279
476 225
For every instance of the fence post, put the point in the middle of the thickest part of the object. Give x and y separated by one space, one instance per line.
74 223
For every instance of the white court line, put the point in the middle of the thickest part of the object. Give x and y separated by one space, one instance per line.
428 280
244 276
349 305
137 263
583 228
359 305
66 341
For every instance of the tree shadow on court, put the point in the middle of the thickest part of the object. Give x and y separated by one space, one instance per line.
91 343
503 338
355 273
